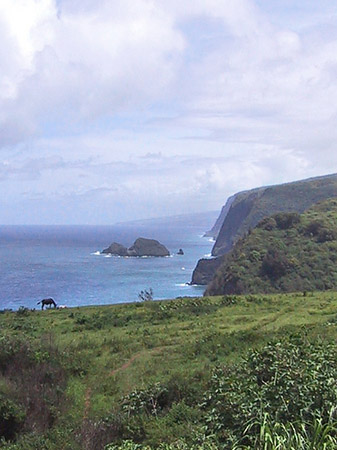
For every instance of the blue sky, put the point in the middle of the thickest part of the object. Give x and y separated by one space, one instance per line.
127 109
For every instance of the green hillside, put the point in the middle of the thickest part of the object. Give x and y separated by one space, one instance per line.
228 372
249 207
285 253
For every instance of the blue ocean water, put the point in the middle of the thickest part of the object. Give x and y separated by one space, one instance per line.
63 262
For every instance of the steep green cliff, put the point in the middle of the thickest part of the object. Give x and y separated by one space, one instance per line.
249 207
286 252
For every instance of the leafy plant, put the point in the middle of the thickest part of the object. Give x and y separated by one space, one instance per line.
289 381
146 295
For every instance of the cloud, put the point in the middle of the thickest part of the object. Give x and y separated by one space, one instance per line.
79 64
156 107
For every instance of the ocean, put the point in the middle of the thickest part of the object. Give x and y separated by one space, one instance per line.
64 262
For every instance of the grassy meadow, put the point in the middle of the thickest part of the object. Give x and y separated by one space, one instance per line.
143 374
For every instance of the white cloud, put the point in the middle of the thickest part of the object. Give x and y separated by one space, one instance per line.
160 106
117 57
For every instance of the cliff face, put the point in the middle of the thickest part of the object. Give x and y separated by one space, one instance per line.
287 252
252 206
214 231
205 270
249 207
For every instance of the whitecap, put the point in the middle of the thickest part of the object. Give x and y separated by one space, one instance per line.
107 256
183 268
208 255
181 284
96 253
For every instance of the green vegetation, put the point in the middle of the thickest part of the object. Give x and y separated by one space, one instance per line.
227 372
250 207
287 252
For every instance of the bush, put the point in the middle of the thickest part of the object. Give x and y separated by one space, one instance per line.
35 380
287 220
268 223
326 234
313 227
11 418
274 264
291 381
150 400
146 295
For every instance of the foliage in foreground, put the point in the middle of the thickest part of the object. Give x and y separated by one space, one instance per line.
283 396
184 374
289 382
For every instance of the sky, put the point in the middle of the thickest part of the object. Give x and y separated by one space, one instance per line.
116 110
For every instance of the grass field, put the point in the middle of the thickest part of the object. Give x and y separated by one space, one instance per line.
103 361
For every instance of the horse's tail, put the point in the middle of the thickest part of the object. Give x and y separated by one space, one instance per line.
38 302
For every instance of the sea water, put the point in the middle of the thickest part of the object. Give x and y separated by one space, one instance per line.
64 262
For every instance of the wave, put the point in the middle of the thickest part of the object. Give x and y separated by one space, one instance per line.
107 256
96 253
182 284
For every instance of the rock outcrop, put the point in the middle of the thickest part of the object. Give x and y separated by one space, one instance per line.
116 249
147 247
205 270
141 247
180 252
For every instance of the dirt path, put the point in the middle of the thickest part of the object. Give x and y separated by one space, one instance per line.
128 363
87 403
134 357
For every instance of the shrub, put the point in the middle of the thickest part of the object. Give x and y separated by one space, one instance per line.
35 380
326 234
274 264
286 220
150 400
11 418
268 223
314 227
291 381
146 295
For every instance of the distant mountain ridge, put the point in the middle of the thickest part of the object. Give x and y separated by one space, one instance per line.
286 252
247 208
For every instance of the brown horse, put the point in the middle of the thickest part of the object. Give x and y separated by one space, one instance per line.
47 301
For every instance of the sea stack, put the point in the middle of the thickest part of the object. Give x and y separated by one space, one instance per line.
116 249
141 247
